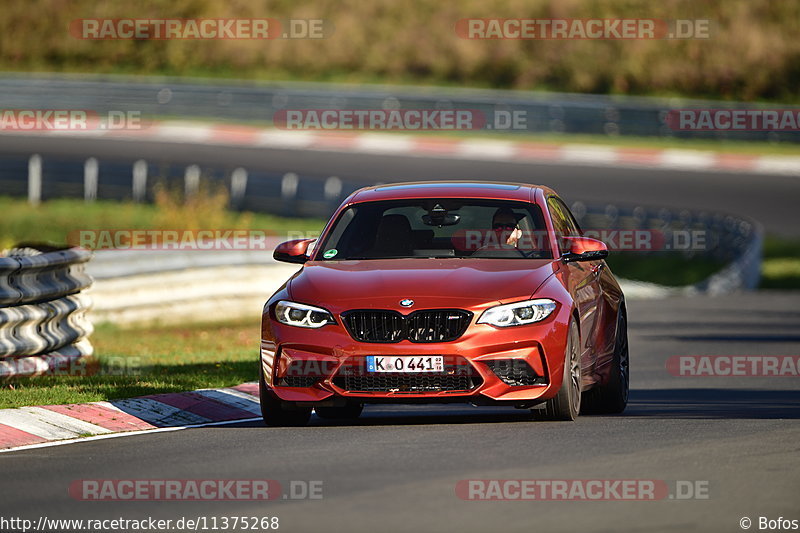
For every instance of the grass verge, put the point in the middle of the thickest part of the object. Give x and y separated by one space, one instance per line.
149 361
670 269
53 221
781 266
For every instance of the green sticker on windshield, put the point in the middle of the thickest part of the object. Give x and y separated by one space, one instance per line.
330 253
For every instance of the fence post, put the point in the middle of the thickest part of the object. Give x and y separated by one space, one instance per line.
289 192
90 171
238 186
139 180
35 180
333 188
191 181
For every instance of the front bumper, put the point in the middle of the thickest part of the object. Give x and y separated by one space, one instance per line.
522 364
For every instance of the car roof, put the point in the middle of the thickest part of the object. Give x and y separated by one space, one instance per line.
495 190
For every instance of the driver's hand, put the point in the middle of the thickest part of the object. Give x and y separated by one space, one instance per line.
514 237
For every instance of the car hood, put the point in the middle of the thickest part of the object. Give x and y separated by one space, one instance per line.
430 283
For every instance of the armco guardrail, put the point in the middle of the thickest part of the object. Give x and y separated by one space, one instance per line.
245 101
43 327
174 297
139 287
729 239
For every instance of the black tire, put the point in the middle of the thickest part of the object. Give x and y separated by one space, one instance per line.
276 414
567 403
612 398
348 412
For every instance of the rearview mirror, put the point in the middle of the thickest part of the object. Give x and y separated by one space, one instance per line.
293 251
441 219
585 249
438 216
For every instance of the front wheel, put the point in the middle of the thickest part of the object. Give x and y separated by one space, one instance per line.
567 403
275 412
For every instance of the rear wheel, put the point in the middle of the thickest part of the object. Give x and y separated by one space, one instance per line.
348 412
276 413
612 398
567 403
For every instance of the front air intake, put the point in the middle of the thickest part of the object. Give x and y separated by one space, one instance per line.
515 372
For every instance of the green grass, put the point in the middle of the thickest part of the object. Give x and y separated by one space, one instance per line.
781 266
139 362
670 269
781 273
53 221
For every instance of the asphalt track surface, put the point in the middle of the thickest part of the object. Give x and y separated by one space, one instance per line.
769 199
396 469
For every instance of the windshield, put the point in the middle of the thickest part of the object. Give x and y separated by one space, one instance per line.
437 228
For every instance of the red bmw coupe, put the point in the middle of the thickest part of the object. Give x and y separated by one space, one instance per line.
434 292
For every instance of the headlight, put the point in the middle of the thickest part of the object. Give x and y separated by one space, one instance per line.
519 313
302 315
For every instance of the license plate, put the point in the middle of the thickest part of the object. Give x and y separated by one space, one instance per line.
405 363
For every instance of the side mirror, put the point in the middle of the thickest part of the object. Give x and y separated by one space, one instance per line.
293 251
585 249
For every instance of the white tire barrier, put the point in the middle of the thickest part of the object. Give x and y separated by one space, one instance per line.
43 323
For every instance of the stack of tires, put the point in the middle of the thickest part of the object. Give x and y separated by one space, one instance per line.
43 325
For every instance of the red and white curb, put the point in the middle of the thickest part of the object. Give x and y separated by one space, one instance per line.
31 427
385 143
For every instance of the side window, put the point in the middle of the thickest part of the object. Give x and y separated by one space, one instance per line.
563 222
572 224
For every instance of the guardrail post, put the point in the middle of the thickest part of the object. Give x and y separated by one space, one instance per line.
90 171
238 186
333 188
35 180
289 185
139 180
191 181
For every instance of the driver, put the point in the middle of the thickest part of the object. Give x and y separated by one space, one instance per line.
505 225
